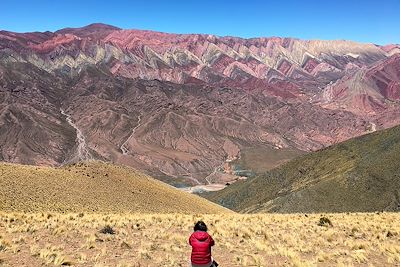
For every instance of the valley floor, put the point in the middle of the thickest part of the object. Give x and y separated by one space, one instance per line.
37 239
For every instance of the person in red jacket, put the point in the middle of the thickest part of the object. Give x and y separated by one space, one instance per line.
201 243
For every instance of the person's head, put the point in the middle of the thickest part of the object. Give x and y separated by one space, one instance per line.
200 226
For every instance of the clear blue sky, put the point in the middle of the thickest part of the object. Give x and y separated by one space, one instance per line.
359 20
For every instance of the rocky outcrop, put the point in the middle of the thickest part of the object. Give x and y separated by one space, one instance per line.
369 92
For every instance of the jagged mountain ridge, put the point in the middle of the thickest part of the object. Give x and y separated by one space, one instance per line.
180 105
180 58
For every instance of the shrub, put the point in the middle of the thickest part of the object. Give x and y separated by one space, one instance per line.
324 221
107 230
390 234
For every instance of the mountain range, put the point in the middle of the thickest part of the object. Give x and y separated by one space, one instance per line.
181 106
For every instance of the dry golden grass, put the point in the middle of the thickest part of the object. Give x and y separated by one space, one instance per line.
95 187
36 239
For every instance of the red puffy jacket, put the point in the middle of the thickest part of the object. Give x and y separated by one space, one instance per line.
201 243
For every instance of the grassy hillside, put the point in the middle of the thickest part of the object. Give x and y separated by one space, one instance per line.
362 174
154 240
264 158
92 187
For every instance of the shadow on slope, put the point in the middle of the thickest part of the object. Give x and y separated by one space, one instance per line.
361 174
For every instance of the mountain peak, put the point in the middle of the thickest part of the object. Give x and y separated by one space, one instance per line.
100 26
89 29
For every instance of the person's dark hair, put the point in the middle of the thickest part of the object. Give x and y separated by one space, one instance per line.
200 226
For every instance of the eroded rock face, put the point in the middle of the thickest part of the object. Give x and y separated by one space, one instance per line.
179 106
369 92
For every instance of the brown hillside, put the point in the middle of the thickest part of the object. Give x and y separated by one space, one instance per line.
92 187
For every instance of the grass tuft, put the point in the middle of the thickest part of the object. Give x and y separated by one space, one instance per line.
324 221
107 230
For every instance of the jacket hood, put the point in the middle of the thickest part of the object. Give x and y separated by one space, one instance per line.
200 235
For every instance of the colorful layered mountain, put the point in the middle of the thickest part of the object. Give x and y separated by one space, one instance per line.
367 90
179 106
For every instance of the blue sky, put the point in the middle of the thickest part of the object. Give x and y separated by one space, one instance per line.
359 20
